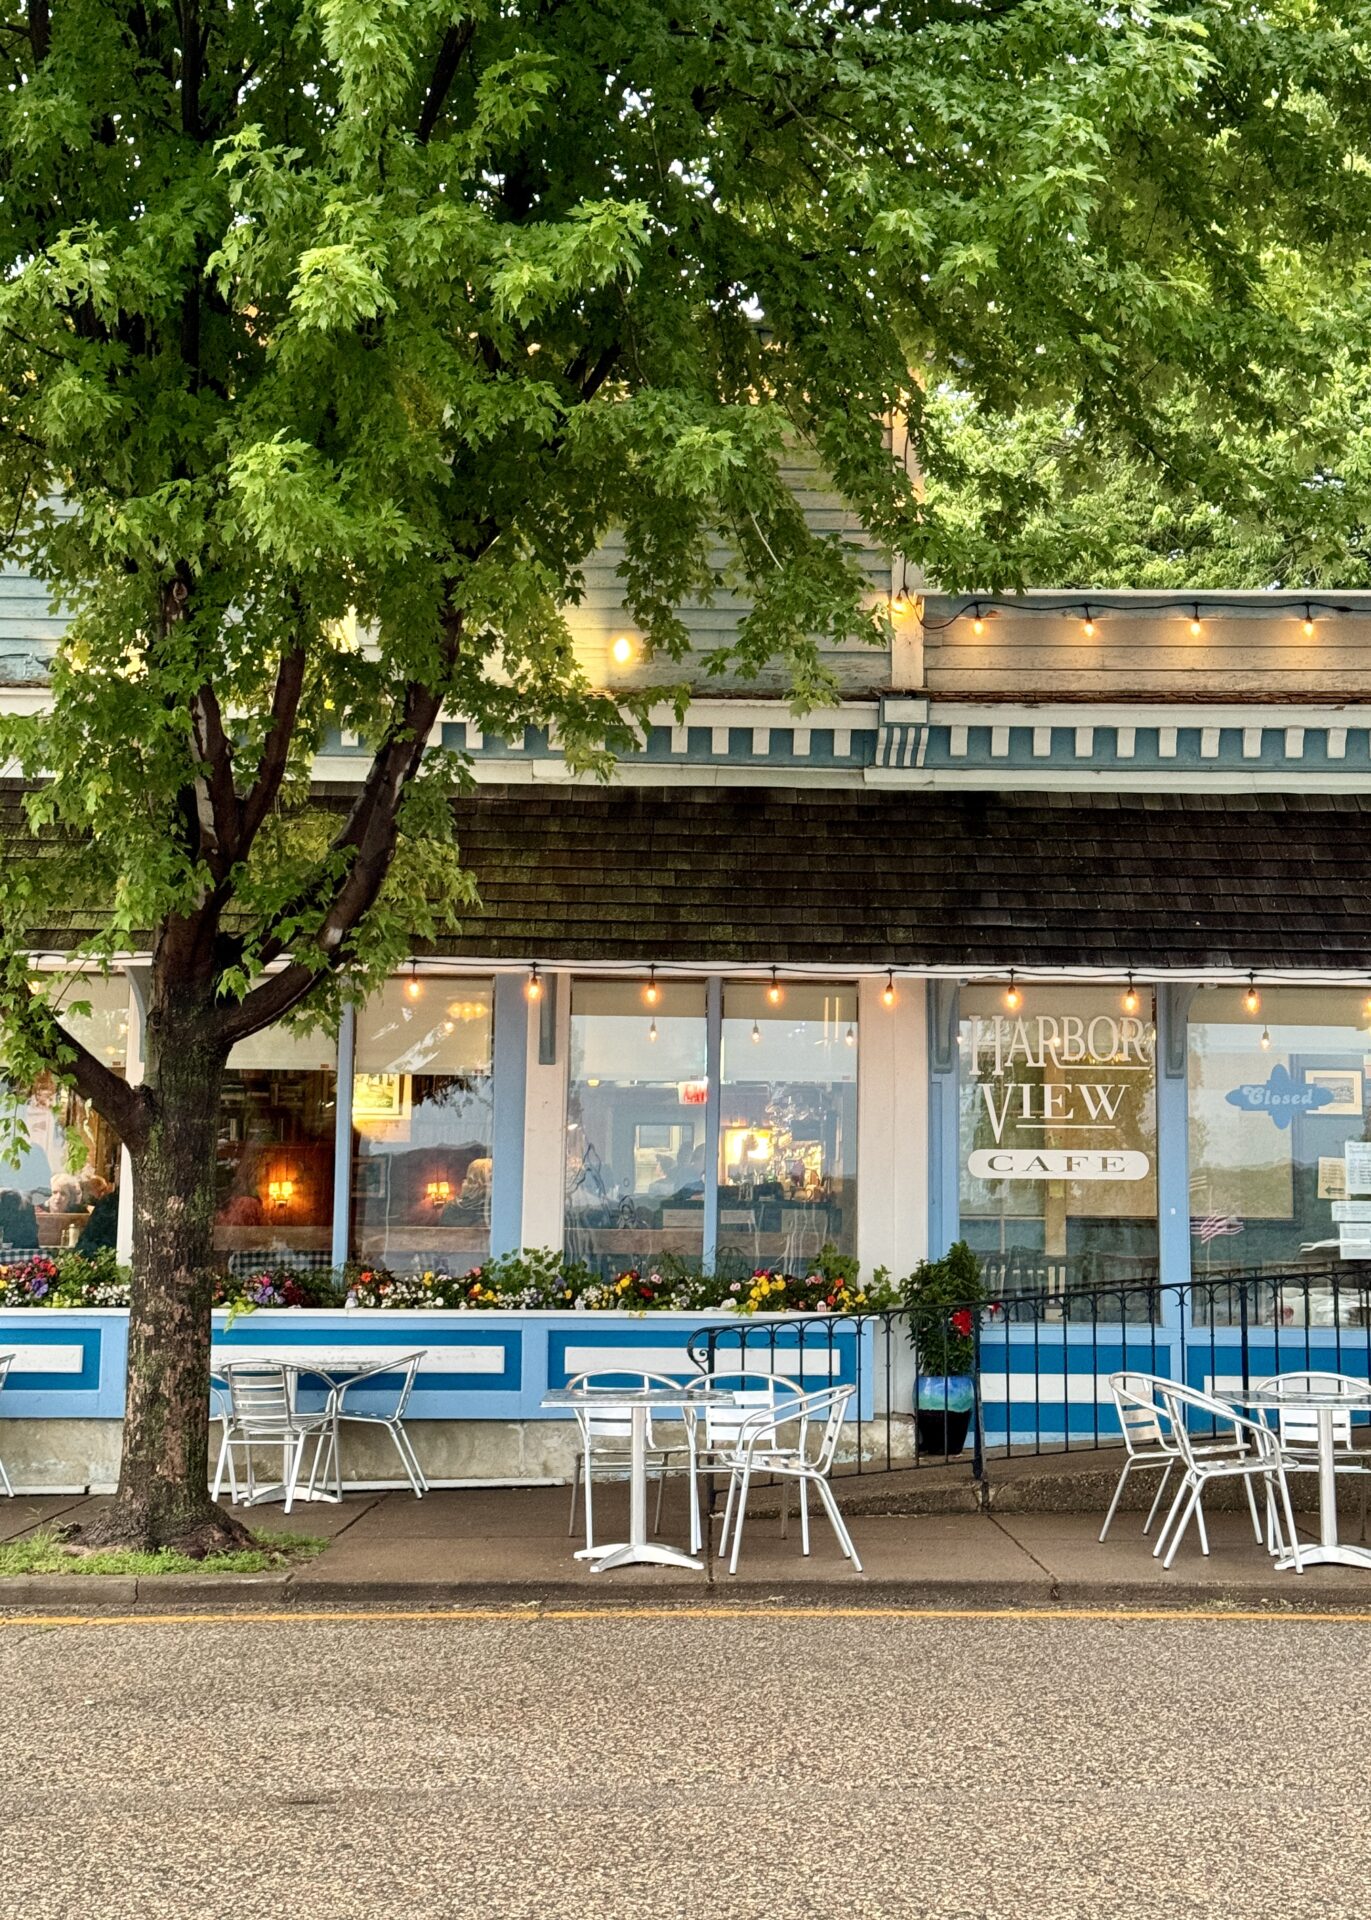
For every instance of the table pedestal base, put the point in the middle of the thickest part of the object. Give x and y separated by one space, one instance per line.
631 1553
1335 1556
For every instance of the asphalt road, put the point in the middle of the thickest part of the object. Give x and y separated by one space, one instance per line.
768 1768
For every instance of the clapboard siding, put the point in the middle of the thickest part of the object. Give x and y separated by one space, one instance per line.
1237 656
601 613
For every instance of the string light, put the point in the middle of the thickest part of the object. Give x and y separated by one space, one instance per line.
622 650
1252 1000
1088 626
1196 624
652 993
756 1034
773 992
652 1030
901 601
414 987
533 987
977 620
1130 998
888 991
850 1037
1266 1038
1307 624
1013 999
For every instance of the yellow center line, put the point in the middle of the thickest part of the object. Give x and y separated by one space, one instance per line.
543 1616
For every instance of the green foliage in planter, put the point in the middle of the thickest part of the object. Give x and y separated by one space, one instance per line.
942 1299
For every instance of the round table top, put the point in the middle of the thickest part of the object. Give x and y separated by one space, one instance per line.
1339 1398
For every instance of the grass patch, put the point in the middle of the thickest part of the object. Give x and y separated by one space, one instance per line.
44 1552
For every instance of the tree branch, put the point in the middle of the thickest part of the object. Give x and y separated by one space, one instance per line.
127 1108
368 836
455 43
216 797
271 768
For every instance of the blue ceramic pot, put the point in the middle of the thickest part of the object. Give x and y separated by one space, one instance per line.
942 1411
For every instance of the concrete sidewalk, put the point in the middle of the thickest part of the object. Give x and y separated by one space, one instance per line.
486 1547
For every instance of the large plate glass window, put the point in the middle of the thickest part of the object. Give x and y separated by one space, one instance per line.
275 1159
421 1125
635 1144
1279 1160
788 1132
1058 1125
64 1190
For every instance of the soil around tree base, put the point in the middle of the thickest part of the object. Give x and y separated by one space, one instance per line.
136 1526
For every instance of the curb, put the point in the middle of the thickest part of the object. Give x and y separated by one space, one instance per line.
76 1595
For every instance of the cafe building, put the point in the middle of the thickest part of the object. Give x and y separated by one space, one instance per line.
1050 931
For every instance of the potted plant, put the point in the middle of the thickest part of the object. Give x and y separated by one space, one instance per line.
942 1298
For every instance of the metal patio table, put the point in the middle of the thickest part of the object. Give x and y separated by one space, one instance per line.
335 1367
638 1549
1324 1405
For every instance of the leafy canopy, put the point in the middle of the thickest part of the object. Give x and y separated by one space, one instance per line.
334 335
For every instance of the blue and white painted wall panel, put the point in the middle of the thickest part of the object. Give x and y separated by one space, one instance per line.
66 1366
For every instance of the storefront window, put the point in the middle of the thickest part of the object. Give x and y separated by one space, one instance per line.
1058 1161
788 1134
636 1124
63 1191
1278 1125
275 1157
421 1125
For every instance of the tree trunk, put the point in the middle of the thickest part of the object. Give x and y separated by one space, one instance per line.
163 1497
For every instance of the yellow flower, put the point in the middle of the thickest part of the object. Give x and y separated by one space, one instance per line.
780 1286
427 1278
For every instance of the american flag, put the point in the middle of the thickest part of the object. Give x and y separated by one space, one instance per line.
1214 1226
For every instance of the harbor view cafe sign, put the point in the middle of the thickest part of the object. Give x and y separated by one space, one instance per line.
1034 1076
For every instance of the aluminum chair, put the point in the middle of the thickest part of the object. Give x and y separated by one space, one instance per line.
716 1429
6 1361
391 1414
263 1412
1150 1443
1298 1427
819 1419
606 1440
1252 1452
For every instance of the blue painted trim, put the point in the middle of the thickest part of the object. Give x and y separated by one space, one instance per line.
714 1051
507 1125
1173 1149
944 1196
342 1134
95 1393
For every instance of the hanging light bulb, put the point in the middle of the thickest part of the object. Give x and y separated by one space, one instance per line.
652 1030
1013 999
1088 626
850 1037
1307 624
1252 1000
413 986
756 1034
977 621
773 992
1266 1038
533 987
1196 624
888 991
622 650
652 993
900 601
1130 998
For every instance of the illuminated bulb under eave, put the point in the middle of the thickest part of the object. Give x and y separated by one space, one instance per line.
622 651
1266 1038
756 1033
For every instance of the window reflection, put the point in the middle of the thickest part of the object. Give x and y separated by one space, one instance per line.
788 1135
277 1117
635 1153
64 1190
421 1124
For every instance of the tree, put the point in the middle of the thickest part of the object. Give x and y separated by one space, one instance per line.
334 334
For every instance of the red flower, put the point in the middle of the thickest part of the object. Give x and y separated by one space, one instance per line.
961 1321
